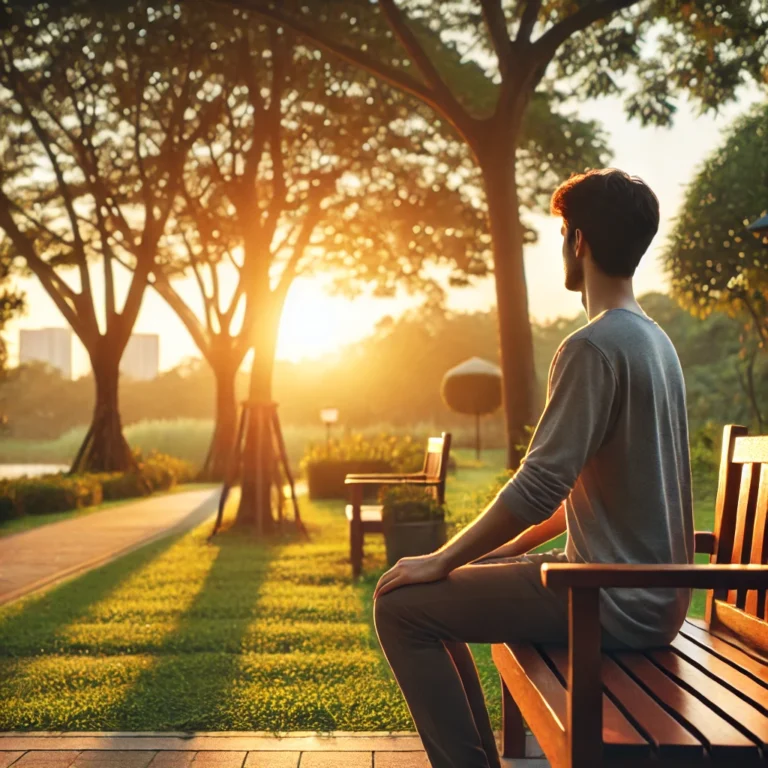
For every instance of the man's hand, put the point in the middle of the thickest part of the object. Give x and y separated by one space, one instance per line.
412 570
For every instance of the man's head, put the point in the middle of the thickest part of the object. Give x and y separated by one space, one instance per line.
607 215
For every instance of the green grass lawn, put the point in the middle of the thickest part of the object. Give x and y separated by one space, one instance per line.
28 522
229 635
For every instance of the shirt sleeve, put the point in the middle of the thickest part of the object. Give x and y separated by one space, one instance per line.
574 424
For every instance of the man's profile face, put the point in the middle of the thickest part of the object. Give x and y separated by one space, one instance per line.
573 266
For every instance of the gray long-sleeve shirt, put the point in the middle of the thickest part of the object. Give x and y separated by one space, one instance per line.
612 445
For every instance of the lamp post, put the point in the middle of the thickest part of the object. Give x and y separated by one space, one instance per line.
329 416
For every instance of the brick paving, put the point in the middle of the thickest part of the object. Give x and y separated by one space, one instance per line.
43 556
236 750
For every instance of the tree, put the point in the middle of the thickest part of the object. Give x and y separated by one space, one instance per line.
11 303
89 172
537 58
302 172
714 262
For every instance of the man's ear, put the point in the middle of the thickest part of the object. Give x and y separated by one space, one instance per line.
578 242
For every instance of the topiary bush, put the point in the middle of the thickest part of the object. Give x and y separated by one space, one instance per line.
409 504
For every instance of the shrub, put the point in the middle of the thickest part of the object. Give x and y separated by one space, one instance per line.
409 504
705 458
325 478
55 493
402 453
327 464
62 493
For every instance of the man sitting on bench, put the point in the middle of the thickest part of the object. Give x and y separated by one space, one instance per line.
608 462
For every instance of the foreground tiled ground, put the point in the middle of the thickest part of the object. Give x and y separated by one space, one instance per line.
304 750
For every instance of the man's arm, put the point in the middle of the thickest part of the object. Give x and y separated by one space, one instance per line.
534 536
572 427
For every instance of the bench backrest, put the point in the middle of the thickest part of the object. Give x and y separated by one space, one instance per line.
436 462
741 532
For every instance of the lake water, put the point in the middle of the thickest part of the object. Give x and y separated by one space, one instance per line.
31 470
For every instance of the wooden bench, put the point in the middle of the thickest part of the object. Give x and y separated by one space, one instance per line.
703 700
366 518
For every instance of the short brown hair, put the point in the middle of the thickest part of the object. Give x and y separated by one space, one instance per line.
618 215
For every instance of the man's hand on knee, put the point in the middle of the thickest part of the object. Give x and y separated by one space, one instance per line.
412 570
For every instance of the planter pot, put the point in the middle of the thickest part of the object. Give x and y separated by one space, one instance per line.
325 478
412 539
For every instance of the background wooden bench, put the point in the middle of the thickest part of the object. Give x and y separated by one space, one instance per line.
366 518
703 700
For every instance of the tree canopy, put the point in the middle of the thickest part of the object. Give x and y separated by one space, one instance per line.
715 263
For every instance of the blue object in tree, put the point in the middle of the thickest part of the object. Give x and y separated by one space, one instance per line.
761 225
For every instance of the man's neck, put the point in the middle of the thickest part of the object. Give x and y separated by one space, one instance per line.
602 293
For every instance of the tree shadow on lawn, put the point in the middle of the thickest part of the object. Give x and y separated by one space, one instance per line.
32 628
193 671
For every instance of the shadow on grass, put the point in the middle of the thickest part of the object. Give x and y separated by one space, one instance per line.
189 681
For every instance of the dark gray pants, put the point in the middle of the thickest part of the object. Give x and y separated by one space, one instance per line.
424 630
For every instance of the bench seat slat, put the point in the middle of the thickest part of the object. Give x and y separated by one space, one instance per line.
369 513
723 739
670 738
719 697
617 730
726 651
742 684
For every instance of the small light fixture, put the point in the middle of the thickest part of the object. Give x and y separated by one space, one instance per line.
329 416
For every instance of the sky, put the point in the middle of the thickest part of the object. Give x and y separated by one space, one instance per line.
314 322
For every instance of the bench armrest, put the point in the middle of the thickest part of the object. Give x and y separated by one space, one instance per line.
593 576
384 476
353 481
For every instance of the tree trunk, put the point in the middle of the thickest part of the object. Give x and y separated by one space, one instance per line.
104 448
520 393
258 466
225 425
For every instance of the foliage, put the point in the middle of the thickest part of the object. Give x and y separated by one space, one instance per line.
389 382
53 493
705 442
715 263
409 504
62 493
403 453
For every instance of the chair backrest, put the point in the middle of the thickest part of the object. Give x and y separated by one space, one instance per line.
741 532
436 462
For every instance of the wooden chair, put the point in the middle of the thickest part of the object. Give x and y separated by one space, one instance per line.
366 518
701 701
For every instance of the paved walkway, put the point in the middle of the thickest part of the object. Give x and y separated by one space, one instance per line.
40 557
222 750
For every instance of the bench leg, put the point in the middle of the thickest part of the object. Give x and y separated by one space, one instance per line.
512 728
356 546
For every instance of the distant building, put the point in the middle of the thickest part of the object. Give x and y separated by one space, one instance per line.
141 359
47 345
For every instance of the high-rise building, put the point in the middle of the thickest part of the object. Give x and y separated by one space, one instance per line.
47 345
141 359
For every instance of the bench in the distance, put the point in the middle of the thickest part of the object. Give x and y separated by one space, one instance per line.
366 518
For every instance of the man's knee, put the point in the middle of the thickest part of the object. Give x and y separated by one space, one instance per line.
387 610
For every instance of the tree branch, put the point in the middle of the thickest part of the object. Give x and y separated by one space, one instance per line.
546 46
528 20
391 75
449 106
496 22
163 287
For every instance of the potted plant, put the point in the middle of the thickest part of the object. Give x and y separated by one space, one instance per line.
413 522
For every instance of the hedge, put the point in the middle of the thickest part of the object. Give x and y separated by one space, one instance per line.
62 493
